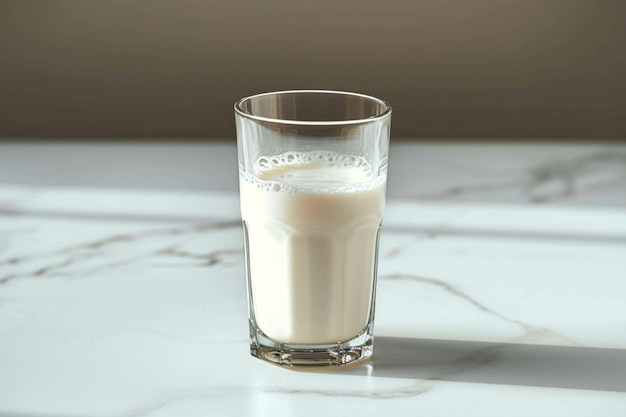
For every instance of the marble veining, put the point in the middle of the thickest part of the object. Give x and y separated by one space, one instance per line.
416 389
550 182
531 333
207 259
83 253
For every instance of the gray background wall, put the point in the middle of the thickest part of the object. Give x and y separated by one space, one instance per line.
172 69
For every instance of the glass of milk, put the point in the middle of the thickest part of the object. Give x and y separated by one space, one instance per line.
312 175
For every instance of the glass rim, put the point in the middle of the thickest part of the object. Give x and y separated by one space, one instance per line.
382 115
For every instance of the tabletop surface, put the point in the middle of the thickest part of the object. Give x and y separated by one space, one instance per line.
502 286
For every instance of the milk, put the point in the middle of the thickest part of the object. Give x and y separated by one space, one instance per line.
312 223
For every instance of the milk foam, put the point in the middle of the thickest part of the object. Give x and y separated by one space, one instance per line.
317 172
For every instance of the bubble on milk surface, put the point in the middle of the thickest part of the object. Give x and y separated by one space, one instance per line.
263 163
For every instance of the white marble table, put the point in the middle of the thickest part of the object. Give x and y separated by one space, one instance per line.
502 290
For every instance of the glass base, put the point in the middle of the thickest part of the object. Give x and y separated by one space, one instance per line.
311 356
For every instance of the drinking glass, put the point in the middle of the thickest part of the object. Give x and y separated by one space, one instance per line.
312 177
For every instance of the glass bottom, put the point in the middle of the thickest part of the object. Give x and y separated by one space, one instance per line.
311 356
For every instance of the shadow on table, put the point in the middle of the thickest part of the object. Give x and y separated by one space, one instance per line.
498 363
